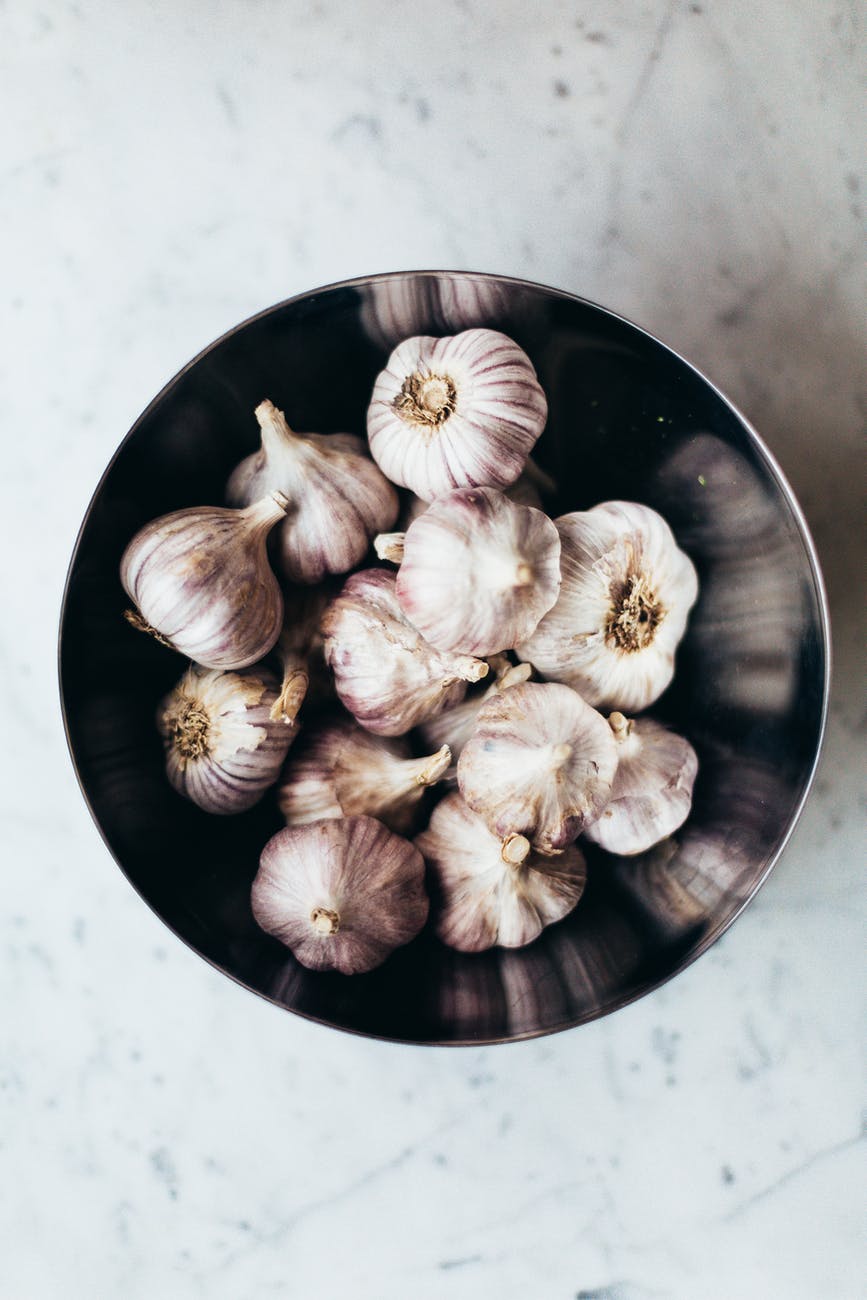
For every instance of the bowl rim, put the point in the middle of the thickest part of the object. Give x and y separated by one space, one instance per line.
773 468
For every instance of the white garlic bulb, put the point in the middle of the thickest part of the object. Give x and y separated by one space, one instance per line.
342 894
462 411
540 763
625 596
477 572
385 673
341 770
203 585
223 748
454 726
652 790
337 497
491 891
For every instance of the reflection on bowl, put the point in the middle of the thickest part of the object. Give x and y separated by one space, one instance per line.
628 419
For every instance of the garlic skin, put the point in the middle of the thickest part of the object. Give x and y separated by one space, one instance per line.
652 790
341 894
492 892
202 584
524 492
385 673
341 770
337 497
625 597
299 651
477 571
223 749
454 726
461 411
540 763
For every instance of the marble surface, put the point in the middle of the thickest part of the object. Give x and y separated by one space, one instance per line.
166 170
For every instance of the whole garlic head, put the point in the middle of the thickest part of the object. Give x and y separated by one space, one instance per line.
341 770
494 892
540 763
342 894
625 596
223 748
385 673
462 411
202 584
652 791
478 572
337 497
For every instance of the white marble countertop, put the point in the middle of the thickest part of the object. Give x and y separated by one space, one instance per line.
165 171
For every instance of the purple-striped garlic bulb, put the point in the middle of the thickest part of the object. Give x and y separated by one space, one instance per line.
342 894
540 763
223 747
202 584
341 770
385 673
625 596
454 726
652 790
462 411
477 572
338 499
494 892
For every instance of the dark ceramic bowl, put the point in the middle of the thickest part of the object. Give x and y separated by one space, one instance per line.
628 419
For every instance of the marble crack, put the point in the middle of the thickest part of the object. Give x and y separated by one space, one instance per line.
818 1157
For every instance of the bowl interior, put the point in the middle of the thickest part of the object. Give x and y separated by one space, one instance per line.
628 419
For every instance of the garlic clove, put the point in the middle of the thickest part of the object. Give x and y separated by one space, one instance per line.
201 581
342 894
338 497
625 597
385 673
223 748
491 891
461 411
477 572
652 790
341 770
540 763
454 726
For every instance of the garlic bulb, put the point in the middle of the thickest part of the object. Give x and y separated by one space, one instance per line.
652 790
540 763
491 891
626 592
203 585
385 673
341 894
454 726
398 306
342 770
462 411
337 497
476 571
223 749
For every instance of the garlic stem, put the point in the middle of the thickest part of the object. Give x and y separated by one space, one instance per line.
389 546
560 754
433 768
263 514
288 702
467 670
515 849
324 920
274 426
620 725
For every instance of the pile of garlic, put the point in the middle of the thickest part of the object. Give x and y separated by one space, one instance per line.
478 585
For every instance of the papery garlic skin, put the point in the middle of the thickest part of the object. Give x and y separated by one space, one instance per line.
338 498
625 597
201 580
223 748
454 726
341 770
540 763
652 790
478 572
342 894
490 892
461 411
385 673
